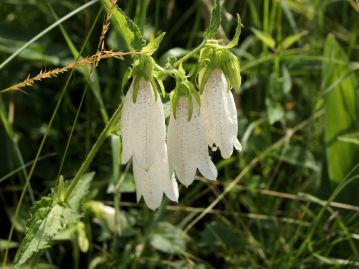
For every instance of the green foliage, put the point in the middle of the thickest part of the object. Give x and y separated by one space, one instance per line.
235 39
153 45
215 22
290 40
169 239
48 217
341 106
268 208
128 30
265 38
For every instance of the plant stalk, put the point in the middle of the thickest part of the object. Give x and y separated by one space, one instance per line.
104 134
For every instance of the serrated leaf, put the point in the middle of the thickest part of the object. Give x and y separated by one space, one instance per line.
215 21
290 40
128 30
265 38
46 220
153 45
341 111
235 39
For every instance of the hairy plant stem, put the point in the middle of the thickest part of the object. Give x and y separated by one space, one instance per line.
189 55
104 134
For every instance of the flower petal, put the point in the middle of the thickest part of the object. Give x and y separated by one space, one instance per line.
143 125
220 114
126 128
208 169
153 183
187 145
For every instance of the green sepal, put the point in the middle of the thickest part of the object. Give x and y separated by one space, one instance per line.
153 45
154 88
143 67
215 22
204 79
174 101
136 85
235 39
196 95
190 106
231 69
162 87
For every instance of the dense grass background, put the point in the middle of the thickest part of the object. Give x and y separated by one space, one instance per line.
298 118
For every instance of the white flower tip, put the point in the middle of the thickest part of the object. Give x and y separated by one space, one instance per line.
237 144
208 170
153 202
153 207
171 189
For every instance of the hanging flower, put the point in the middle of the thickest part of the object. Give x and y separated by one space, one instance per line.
187 143
220 114
143 126
143 138
219 72
153 183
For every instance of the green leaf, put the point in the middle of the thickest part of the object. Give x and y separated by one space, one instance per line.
298 155
215 22
220 235
79 193
286 80
47 218
128 30
341 114
5 244
352 138
169 239
235 39
290 40
265 38
153 45
275 111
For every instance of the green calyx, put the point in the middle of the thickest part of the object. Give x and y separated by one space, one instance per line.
186 89
143 69
212 57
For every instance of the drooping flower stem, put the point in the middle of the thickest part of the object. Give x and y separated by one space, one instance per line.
95 147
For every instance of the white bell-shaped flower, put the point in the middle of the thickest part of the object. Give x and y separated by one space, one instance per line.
151 184
220 114
187 145
143 128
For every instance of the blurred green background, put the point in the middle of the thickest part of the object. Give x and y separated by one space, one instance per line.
298 124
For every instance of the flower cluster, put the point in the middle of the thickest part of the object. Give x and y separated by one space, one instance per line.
199 120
